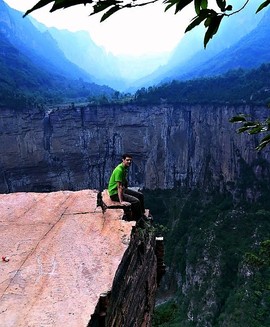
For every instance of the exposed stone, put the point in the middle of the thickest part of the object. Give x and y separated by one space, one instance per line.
130 303
63 255
173 145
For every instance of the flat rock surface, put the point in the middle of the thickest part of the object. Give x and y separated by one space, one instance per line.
62 252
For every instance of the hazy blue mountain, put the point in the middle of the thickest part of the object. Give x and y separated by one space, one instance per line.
29 75
106 68
189 56
24 84
250 52
117 71
17 70
75 55
80 49
39 47
230 32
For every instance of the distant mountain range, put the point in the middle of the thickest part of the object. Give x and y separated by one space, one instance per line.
118 72
39 47
35 57
33 65
250 51
234 46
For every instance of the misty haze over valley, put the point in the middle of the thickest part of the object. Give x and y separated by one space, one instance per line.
126 73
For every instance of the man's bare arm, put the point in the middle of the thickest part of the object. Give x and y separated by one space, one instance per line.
120 194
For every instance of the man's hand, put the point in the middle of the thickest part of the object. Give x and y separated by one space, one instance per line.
124 203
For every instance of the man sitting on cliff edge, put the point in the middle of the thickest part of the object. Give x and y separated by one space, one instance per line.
119 191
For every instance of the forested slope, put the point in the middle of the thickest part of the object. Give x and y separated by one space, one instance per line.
217 254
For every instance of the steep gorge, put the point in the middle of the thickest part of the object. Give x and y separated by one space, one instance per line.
217 254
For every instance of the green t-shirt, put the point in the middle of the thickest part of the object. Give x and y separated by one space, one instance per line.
118 175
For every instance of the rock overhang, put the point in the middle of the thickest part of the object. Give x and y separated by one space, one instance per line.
63 253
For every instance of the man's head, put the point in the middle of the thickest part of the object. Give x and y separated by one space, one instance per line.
126 159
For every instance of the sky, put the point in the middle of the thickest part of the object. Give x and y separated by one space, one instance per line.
137 31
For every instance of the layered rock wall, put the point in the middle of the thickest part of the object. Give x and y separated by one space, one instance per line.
77 147
131 300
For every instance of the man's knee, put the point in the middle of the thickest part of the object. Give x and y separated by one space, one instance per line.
135 200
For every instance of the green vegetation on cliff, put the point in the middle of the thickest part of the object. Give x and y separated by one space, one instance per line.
217 254
236 86
23 84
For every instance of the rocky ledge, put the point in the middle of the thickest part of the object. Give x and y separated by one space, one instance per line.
66 263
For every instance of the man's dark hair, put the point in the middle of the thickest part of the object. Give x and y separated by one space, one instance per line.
126 155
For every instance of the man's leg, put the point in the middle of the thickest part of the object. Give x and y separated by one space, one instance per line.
137 195
135 205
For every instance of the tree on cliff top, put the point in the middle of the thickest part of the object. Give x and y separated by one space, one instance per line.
209 15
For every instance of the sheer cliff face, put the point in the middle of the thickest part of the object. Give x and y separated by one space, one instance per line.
76 148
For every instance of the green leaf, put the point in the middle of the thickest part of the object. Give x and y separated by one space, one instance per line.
197 4
200 5
221 4
263 143
109 13
102 5
263 5
266 138
39 5
242 129
255 130
204 4
237 119
228 8
196 21
250 124
59 4
208 22
213 28
170 3
181 4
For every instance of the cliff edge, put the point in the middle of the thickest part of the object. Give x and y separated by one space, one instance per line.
61 254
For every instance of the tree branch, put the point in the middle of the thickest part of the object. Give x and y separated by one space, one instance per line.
237 11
